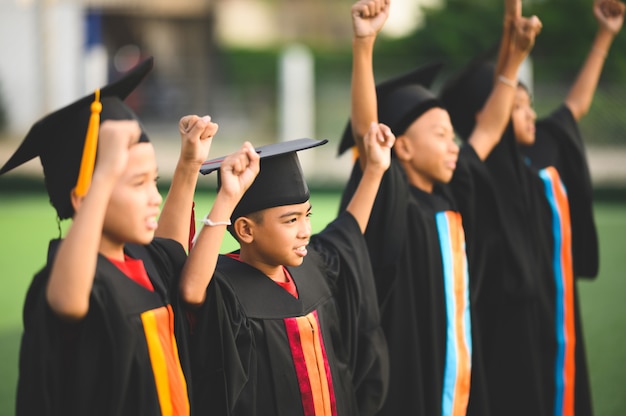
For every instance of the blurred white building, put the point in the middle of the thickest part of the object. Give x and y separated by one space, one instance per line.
54 51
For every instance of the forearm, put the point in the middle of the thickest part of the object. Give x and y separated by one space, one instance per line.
512 11
503 49
582 91
73 270
363 91
176 213
495 115
360 206
200 265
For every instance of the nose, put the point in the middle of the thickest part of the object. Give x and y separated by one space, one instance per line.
304 230
155 197
454 147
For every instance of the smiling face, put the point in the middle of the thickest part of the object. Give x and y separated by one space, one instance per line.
427 150
523 117
131 215
275 237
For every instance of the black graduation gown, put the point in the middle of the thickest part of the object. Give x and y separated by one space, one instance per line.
257 350
121 359
510 317
476 200
559 155
532 356
406 236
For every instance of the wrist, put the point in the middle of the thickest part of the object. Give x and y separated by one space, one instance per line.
366 40
211 223
507 81
373 171
188 168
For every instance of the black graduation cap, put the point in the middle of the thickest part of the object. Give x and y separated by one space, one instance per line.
465 94
60 138
401 100
280 180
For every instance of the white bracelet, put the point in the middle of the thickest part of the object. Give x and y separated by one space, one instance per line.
207 221
507 81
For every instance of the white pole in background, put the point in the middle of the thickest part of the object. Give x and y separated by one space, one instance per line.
296 94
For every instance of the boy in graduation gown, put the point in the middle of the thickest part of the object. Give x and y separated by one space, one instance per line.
416 236
532 326
99 317
288 324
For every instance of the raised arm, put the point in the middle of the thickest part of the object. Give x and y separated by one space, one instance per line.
610 17
368 18
495 114
512 12
237 173
376 145
196 136
74 266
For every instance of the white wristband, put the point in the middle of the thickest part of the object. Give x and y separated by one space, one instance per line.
207 221
507 81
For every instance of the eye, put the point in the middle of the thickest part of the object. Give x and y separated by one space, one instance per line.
139 182
309 214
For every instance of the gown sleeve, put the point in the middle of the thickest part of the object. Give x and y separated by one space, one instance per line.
343 249
386 232
475 197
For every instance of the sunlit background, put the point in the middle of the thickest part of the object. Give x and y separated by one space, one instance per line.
270 70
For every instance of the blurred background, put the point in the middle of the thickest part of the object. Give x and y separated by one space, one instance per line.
269 70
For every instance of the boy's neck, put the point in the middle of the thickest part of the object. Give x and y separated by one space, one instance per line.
274 272
111 251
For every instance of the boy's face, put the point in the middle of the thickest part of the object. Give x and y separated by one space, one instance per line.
523 116
433 150
281 237
135 201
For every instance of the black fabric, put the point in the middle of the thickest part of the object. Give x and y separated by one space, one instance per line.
241 359
560 144
520 342
401 100
509 313
58 139
403 243
280 180
100 365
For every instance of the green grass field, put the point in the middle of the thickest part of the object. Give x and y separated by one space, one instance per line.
28 223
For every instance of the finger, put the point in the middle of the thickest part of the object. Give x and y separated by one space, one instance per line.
187 122
198 128
536 24
184 123
251 153
210 130
389 136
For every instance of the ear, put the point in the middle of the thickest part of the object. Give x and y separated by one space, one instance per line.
403 147
244 229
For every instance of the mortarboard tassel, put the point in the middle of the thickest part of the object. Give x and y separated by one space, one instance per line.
91 145
355 153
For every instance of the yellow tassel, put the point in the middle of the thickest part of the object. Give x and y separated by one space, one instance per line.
91 145
355 153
